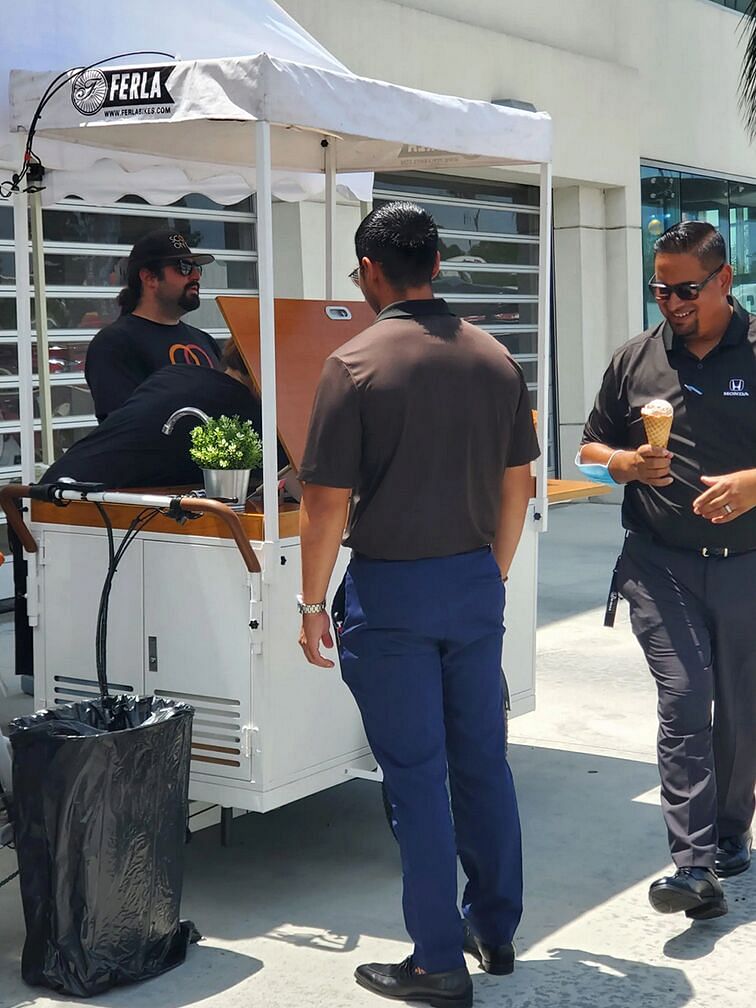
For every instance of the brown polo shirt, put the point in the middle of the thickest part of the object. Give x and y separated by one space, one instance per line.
419 415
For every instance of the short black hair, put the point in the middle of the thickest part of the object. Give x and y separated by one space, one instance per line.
403 238
698 238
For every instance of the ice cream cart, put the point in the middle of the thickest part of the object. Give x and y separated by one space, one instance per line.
194 614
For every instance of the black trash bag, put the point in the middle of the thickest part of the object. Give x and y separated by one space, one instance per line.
101 791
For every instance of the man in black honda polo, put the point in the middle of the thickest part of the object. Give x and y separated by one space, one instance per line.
688 565
163 284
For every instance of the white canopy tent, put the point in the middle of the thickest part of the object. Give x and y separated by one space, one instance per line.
41 34
260 114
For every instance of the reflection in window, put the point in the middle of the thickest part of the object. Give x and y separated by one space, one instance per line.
85 255
69 225
670 196
736 5
488 239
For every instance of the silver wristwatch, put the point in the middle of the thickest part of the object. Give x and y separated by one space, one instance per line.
309 608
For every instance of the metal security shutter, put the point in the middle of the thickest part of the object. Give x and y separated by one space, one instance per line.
489 257
85 251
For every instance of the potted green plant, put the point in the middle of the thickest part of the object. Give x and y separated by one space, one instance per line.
227 449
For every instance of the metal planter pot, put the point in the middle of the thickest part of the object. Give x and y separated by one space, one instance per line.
229 484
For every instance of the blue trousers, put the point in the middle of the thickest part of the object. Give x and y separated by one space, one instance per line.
421 652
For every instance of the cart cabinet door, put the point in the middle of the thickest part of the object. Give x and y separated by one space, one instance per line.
520 621
73 566
197 647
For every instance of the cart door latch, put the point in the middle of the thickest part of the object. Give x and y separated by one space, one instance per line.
152 659
249 734
255 626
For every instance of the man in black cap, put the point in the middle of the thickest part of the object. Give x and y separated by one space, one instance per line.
163 282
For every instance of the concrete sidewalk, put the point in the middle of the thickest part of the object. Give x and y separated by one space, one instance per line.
310 891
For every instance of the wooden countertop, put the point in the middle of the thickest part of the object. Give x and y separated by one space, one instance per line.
561 491
83 514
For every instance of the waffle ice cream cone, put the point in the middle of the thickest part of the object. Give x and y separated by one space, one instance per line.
657 421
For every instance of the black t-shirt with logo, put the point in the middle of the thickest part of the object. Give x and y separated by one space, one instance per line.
123 354
129 449
713 428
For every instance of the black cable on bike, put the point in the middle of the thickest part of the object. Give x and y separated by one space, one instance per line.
114 558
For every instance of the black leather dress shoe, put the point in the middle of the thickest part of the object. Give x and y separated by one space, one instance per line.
733 855
695 890
498 960
399 980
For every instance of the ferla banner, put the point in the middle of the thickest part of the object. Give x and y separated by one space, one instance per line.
125 92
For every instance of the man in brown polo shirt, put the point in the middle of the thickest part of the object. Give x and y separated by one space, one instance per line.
423 421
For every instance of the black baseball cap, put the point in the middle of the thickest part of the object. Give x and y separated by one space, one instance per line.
160 246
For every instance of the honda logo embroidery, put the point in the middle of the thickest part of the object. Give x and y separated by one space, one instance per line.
737 388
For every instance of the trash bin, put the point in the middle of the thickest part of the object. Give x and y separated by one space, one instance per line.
100 807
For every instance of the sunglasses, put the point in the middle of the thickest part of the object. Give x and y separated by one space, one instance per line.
685 291
185 266
354 276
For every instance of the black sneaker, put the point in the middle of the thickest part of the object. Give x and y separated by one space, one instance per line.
498 960
694 890
400 980
733 855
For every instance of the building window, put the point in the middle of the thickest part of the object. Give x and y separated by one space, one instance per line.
736 5
489 257
670 195
85 254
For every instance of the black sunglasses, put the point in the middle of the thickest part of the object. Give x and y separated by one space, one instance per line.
354 276
185 266
688 291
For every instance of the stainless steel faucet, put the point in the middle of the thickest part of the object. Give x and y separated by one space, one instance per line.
170 423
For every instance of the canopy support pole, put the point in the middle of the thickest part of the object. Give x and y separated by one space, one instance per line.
43 346
544 342
25 369
267 344
23 324
330 224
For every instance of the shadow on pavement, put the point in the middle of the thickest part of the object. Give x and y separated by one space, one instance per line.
325 870
573 978
207 971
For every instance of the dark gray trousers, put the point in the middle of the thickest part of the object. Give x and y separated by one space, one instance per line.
695 618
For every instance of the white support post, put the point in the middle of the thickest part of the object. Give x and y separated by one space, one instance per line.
25 370
23 325
330 223
544 342
267 343
43 353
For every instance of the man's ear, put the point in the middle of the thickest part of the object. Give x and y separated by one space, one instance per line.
371 269
146 275
725 279
436 266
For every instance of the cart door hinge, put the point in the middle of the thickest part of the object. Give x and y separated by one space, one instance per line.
255 626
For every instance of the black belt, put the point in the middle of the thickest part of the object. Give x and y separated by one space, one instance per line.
707 552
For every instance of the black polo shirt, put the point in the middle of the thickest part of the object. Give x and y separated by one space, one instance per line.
419 415
713 429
